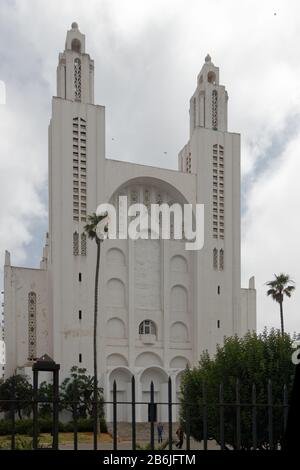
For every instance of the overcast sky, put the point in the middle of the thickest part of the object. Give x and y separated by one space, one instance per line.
147 56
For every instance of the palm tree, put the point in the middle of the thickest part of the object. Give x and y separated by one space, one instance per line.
280 286
91 230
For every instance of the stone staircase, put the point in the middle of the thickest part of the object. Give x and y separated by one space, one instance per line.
124 431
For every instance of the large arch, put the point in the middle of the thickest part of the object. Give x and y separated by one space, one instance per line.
122 376
159 378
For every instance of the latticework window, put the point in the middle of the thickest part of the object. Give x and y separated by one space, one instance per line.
218 195
31 326
79 170
214 110
77 79
83 244
215 258
75 244
221 266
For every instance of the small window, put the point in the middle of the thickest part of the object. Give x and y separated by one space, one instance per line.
218 323
80 315
80 357
219 290
147 327
80 277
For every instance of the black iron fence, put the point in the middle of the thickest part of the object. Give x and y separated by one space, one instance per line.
190 417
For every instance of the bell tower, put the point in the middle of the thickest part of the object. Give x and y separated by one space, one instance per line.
75 70
208 105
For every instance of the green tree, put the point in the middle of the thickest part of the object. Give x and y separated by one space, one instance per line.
281 286
79 387
19 388
253 359
94 232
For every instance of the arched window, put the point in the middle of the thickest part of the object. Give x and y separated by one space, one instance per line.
75 244
214 111
77 79
147 327
31 326
83 244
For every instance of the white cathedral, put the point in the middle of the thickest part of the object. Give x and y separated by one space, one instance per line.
160 305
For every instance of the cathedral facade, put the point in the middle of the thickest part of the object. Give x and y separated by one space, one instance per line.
160 305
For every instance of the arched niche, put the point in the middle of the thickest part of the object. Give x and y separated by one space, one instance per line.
147 359
116 328
116 359
179 362
179 264
115 293
179 299
179 332
115 257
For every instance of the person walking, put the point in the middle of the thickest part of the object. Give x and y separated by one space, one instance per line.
179 434
160 432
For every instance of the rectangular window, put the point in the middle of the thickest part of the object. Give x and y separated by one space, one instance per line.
80 315
218 323
80 277
80 357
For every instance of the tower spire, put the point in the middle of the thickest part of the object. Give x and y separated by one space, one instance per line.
75 71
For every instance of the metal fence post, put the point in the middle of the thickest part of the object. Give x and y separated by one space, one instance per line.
238 415
152 416
55 408
133 420
75 428
170 413
221 400
115 436
270 415
285 406
204 398
12 412
188 427
254 418
35 410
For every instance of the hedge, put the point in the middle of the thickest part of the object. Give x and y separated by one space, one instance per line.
25 426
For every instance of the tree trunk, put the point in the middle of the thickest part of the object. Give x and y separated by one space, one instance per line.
98 241
281 317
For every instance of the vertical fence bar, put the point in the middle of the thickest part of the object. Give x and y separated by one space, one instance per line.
221 404
55 409
254 418
133 421
270 415
170 413
35 410
152 416
95 414
238 415
12 413
285 407
75 398
188 427
115 436
204 398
